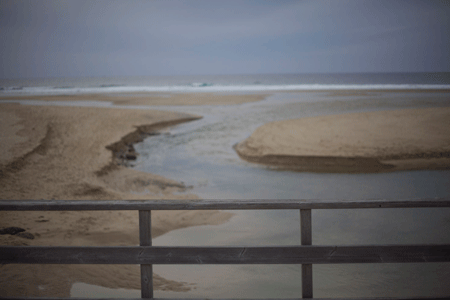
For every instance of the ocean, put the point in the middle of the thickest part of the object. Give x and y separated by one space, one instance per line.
200 154
224 83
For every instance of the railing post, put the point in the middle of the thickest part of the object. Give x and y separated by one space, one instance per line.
145 239
306 239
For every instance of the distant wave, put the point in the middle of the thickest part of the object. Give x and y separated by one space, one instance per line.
201 84
209 87
63 87
11 88
110 85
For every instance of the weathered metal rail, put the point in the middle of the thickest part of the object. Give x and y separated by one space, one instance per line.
147 255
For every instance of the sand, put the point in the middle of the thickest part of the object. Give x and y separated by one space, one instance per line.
61 153
153 98
408 139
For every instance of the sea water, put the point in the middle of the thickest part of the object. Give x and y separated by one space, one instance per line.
223 83
200 154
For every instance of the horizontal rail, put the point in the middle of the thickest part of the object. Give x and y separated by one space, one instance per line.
225 255
378 298
72 205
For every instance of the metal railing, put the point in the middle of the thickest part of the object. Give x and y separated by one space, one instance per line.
146 255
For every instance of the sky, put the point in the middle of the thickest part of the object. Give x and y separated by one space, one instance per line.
139 38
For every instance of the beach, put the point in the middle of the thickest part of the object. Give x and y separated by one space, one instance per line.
81 153
408 139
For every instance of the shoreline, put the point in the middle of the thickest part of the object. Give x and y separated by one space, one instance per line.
315 164
123 150
371 142
333 164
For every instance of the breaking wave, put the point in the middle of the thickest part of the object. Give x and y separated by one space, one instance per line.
210 87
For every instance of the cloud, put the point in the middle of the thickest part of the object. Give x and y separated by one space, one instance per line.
53 38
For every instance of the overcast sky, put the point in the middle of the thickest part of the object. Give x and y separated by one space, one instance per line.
125 38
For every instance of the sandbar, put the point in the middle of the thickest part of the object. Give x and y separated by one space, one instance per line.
382 141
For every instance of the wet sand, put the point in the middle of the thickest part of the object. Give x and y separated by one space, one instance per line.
408 139
152 98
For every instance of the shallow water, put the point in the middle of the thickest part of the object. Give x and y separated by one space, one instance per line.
337 227
200 154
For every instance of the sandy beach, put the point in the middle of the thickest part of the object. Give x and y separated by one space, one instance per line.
75 153
408 139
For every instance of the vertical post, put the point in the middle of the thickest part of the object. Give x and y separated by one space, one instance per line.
145 239
306 239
